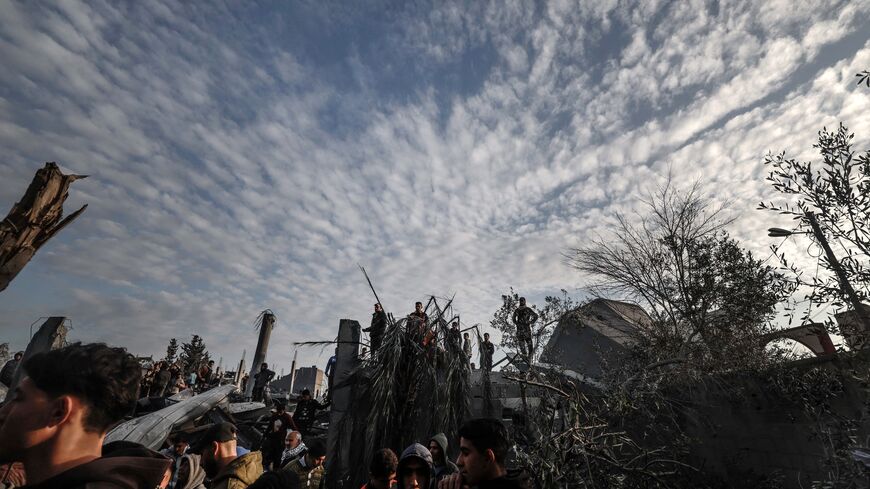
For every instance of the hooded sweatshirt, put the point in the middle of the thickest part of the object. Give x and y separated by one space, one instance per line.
194 473
420 452
448 467
110 473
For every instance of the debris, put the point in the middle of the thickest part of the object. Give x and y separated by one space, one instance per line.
152 429
51 335
33 220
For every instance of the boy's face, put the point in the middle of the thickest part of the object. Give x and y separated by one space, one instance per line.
29 418
473 464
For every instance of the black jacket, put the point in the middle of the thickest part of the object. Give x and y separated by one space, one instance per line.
306 411
512 480
110 473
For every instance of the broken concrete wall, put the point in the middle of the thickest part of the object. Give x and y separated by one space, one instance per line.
346 361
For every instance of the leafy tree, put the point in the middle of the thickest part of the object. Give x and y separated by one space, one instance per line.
193 354
709 298
836 193
171 350
864 77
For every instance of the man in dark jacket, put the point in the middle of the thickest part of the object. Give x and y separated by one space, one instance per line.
454 338
487 349
483 447
161 381
306 412
279 425
377 328
415 469
261 380
56 419
442 465
524 317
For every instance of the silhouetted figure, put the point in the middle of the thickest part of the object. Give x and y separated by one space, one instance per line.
524 317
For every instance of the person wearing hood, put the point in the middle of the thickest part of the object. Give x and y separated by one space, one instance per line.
189 473
415 469
441 464
57 417
218 457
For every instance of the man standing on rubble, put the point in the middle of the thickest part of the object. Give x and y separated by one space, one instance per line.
306 412
524 317
487 349
466 345
261 380
330 373
377 328
454 337
417 322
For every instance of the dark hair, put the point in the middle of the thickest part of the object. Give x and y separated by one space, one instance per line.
306 392
487 434
418 303
316 447
106 379
384 463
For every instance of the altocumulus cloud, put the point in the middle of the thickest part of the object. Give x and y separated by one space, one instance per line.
245 157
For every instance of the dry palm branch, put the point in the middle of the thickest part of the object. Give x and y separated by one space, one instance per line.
406 391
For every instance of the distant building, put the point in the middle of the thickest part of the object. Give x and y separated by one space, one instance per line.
310 378
281 385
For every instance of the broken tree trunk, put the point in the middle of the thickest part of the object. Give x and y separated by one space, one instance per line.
35 219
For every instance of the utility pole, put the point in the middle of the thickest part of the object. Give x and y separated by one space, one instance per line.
841 274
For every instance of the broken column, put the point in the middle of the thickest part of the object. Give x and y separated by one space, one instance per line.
266 325
346 361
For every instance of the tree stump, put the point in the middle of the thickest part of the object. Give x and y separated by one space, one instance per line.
35 219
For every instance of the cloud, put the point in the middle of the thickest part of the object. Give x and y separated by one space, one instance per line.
243 159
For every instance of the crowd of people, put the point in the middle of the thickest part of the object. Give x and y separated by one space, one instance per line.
423 332
54 423
166 379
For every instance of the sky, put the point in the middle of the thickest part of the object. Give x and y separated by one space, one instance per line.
249 155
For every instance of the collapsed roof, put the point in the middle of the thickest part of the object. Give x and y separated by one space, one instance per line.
594 333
